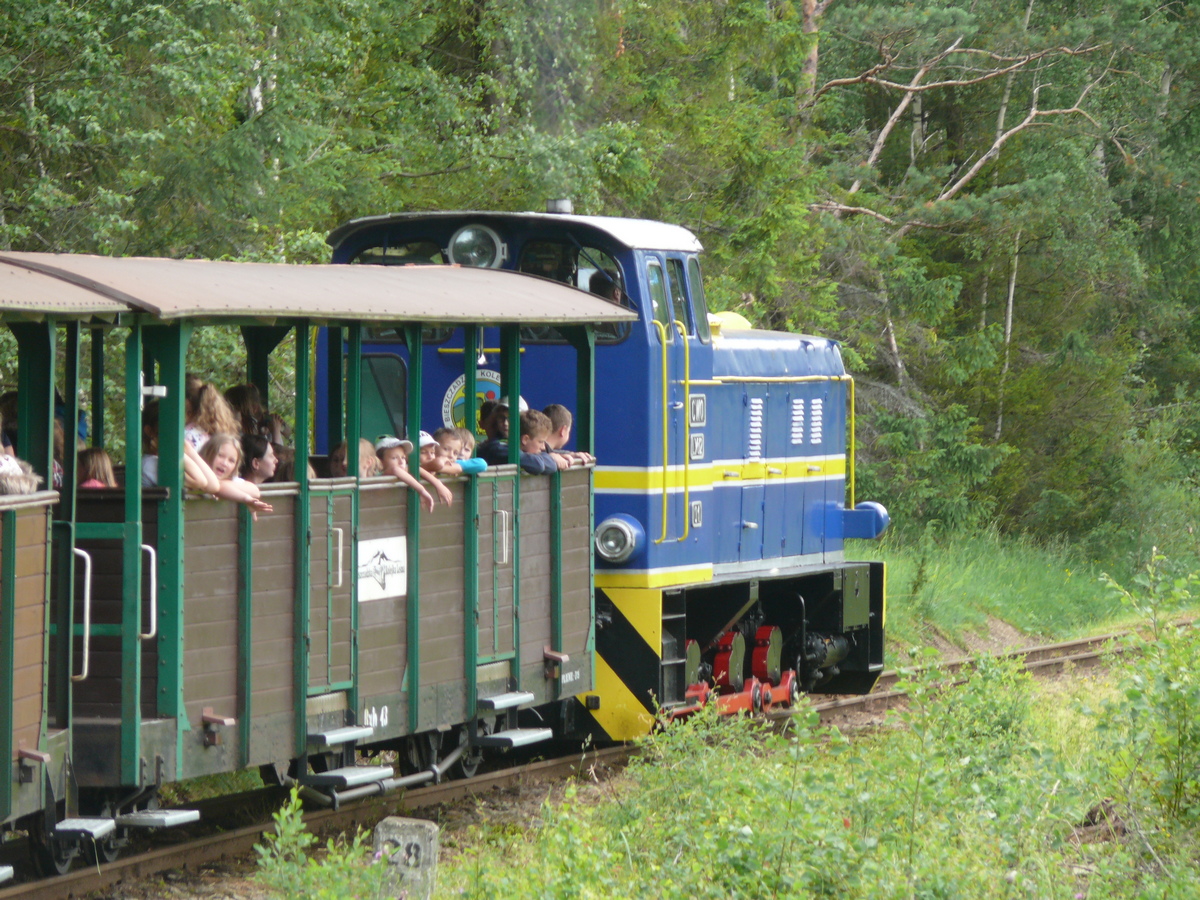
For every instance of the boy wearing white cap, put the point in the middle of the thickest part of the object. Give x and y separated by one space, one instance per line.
393 456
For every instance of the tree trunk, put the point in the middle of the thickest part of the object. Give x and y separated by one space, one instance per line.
1008 319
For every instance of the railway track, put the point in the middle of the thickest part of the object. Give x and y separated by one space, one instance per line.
1042 660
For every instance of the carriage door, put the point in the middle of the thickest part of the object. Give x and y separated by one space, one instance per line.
497 571
330 634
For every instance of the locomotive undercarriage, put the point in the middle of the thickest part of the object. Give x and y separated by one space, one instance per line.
752 645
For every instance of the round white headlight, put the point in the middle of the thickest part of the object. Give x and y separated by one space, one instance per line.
616 539
476 246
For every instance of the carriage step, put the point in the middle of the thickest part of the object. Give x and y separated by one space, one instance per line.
514 737
96 829
158 818
5 873
347 777
341 735
511 700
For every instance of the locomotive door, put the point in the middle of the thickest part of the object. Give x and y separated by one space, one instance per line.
497 569
754 469
672 323
331 597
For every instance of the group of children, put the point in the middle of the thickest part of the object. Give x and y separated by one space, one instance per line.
231 447
450 451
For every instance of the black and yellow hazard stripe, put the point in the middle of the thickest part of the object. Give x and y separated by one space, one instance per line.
628 662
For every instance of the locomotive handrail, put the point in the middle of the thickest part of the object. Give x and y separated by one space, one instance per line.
87 611
687 431
662 336
153 594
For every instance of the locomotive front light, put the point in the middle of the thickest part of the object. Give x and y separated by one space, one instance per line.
618 537
477 246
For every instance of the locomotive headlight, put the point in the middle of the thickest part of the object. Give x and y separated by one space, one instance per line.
477 246
617 537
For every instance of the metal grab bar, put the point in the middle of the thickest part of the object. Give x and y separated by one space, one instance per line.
503 514
662 336
153 594
687 432
87 610
341 533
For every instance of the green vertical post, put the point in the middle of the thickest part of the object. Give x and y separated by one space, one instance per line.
510 364
60 610
97 435
169 343
412 337
470 533
556 564
131 566
8 592
245 666
335 377
583 339
70 393
300 631
37 351
353 432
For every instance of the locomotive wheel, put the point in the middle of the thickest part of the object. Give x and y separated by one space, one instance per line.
794 693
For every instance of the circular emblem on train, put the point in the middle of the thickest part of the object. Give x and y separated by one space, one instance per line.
487 387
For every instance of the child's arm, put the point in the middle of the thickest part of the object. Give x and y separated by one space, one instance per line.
426 497
443 491
197 475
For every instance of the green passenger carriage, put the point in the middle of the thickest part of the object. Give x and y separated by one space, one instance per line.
147 637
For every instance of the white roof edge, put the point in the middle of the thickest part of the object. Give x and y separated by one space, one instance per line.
637 234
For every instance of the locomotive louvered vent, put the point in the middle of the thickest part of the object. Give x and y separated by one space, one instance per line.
798 421
756 429
814 422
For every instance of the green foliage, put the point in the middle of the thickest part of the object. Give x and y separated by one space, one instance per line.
932 468
288 863
1153 728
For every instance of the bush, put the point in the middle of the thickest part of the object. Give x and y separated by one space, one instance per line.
288 865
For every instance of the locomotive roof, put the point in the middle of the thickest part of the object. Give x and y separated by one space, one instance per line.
70 284
637 234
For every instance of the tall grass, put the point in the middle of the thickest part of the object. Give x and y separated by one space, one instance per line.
952 583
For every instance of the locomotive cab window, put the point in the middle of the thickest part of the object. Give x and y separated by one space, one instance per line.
679 304
549 259
413 253
699 303
384 394
660 308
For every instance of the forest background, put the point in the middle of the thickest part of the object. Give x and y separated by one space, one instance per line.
993 205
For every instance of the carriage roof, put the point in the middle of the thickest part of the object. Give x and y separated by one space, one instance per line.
75 284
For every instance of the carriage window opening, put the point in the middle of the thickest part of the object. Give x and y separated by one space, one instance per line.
658 293
411 253
679 307
699 303
549 259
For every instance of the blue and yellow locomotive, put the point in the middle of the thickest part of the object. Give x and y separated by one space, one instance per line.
724 485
